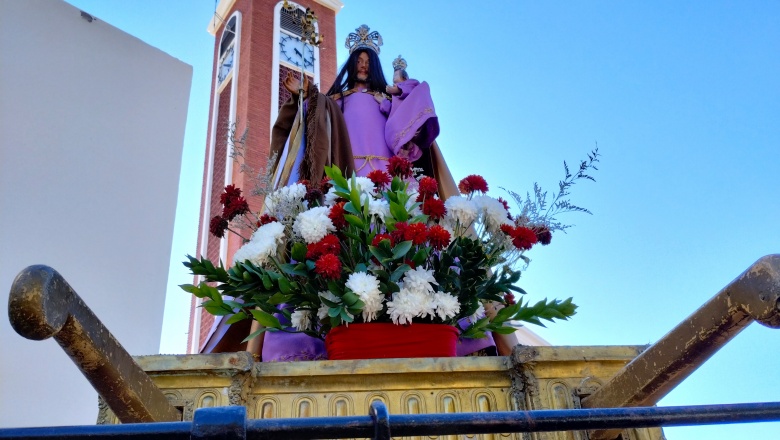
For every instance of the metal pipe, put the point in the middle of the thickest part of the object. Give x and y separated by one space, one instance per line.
231 423
43 305
752 296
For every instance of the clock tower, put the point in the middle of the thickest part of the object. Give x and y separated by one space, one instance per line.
257 42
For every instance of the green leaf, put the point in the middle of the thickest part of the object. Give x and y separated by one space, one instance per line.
350 298
354 221
298 252
401 249
378 254
397 184
255 334
349 207
344 315
217 309
336 175
279 298
399 212
240 316
266 319
420 256
190 288
399 272
504 330
284 286
293 269
233 304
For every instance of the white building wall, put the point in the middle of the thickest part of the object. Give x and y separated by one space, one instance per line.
91 134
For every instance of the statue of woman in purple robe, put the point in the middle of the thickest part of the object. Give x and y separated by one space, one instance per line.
379 126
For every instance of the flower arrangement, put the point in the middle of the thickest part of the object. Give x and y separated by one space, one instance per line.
382 248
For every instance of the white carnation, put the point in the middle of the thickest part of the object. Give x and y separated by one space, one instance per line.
364 185
314 224
419 280
447 306
479 314
330 197
407 304
461 210
285 201
492 211
296 191
301 319
264 243
379 208
366 286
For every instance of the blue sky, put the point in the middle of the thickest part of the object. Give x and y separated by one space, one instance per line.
682 99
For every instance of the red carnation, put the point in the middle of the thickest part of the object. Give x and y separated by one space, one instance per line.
506 206
325 184
523 238
507 229
543 234
265 219
428 186
328 266
399 167
472 183
235 207
313 251
313 194
380 179
438 237
434 208
417 232
230 193
328 245
410 263
509 298
380 237
398 233
217 226
336 215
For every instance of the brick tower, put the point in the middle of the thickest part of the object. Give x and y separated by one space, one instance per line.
256 44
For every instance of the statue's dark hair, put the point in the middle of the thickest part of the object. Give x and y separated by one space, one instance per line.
348 74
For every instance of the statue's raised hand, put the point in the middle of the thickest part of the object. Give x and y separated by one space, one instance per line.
393 90
293 84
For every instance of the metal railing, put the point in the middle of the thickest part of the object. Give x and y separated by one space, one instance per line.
230 422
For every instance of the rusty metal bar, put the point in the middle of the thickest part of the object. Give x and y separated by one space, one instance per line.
231 423
42 305
752 296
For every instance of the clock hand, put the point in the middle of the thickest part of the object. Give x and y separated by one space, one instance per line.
298 52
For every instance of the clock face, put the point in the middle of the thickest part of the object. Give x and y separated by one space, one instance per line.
293 51
226 66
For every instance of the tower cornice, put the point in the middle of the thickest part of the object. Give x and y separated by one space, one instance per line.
224 7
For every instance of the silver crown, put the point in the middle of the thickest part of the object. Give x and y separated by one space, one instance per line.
399 63
363 39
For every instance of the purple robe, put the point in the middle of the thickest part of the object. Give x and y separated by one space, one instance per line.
366 119
412 124
467 346
288 347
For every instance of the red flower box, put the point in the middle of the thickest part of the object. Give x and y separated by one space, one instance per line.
385 340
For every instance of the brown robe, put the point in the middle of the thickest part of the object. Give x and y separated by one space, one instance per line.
323 118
